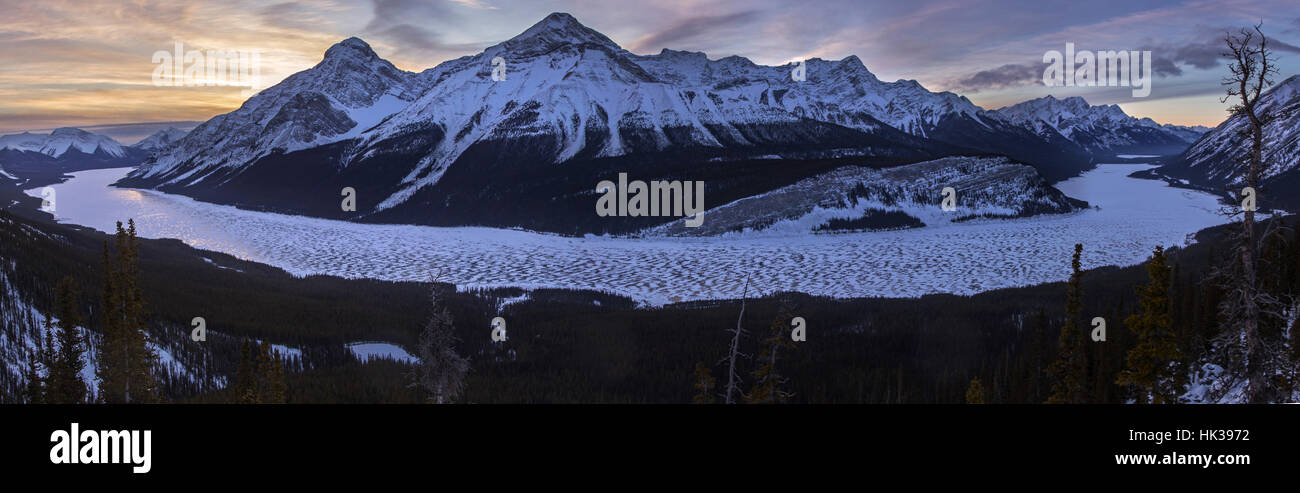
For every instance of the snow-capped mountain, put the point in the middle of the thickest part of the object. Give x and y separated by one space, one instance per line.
1188 133
455 145
349 91
59 142
1103 129
1219 159
31 159
845 93
160 139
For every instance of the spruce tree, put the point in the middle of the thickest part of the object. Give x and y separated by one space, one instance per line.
34 386
244 388
64 384
1070 370
1153 367
768 381
440 373
126 369
270 371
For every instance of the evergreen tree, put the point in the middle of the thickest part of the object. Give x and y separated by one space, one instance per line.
64 382
1153 368
768 381
975 393
704 385
270 368
34 387
245 386
1070 370
260 376
440 372
126 369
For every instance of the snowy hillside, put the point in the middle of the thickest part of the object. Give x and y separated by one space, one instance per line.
860 198
1216 160
23 326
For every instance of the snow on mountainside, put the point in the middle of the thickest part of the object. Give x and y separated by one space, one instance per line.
58 143
34 159
859 198
1218 159
22 324
417 147
160 139
349 91
1099 129
576 94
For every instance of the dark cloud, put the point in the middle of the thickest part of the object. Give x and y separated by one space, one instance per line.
1283 46
1009 75
691 28
1204 53
403 25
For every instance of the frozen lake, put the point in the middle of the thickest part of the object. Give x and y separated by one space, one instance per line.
1134 217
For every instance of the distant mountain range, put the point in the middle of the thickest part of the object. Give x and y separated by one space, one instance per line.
161 139
1101 130
30 158
1218 160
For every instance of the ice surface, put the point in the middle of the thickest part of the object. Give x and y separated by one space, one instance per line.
1133 216
366 351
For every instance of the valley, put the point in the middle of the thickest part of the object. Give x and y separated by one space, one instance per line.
1130 217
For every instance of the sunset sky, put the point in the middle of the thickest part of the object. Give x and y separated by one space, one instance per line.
88 63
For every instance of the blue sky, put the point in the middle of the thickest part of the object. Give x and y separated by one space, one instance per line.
88 62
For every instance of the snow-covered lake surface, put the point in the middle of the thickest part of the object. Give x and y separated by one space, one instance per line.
1134 216
366 351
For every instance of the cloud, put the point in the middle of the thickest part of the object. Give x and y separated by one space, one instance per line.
474 4
1009 75
409 27
1206 52
691 28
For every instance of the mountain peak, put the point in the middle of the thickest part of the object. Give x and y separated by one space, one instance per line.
350 47
1076 100
561 28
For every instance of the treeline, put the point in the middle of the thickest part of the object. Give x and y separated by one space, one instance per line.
1161 340
584 347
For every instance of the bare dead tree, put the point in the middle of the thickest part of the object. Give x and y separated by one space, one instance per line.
1252 66
440 373
733 378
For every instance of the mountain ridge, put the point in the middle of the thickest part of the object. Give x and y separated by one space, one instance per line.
571 102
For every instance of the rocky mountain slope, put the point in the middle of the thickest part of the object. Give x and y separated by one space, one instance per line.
1218 160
